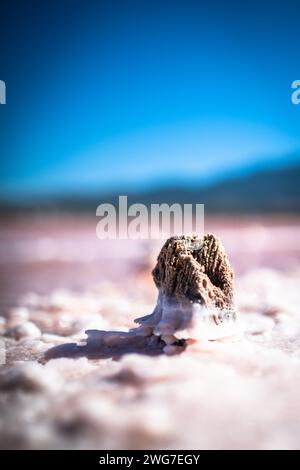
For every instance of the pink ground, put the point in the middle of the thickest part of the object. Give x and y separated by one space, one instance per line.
57 280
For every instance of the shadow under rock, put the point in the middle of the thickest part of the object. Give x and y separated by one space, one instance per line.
109 344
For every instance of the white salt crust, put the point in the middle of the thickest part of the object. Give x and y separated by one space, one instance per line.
239 391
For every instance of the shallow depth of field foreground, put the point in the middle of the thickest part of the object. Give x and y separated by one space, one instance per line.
58 280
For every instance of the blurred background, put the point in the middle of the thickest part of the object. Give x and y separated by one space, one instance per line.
164 101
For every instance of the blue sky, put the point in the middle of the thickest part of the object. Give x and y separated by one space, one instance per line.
126 94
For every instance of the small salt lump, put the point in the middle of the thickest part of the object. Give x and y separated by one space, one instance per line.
23 330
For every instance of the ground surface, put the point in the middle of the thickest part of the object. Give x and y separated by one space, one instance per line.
57 280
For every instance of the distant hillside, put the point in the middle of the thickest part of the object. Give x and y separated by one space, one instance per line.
265 191
276 190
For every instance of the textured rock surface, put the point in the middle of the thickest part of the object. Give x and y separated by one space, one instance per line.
197 270
195 284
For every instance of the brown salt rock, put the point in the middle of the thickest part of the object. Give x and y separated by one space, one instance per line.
195 269
195 282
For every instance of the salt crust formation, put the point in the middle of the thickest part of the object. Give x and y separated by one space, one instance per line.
196 292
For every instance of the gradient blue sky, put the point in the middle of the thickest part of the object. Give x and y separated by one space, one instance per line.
103 95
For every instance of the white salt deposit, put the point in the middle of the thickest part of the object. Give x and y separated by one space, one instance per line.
239 392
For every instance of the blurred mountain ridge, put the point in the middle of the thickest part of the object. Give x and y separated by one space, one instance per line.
265 190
